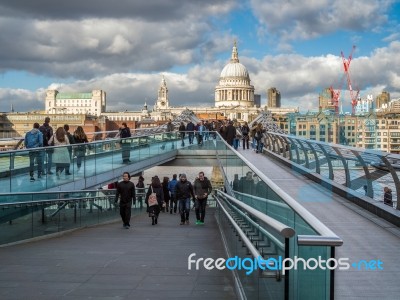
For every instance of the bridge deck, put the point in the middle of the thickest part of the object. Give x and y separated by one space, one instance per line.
109 262
365 235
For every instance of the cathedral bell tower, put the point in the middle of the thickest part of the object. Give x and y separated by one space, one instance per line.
162 100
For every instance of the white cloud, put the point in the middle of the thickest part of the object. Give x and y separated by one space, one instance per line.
300 79
124 49
305 19
113 41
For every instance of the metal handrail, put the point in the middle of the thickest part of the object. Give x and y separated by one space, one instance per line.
331 238
348 148
268 201
252 249
43 202
111 191
282 229
251 221
52 192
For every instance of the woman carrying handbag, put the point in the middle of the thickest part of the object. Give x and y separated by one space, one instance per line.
154 199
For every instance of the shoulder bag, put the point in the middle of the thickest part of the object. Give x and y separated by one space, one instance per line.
152 198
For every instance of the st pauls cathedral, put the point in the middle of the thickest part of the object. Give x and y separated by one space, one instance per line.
234 99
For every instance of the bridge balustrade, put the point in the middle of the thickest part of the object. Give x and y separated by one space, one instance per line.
365 171
248 189
97 158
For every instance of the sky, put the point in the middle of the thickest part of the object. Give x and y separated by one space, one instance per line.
124 47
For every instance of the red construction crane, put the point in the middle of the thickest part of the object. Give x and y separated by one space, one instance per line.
346 66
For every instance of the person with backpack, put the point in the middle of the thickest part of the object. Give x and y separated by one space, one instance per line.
202 189
34 139
155 190
245 133
47 132
125 132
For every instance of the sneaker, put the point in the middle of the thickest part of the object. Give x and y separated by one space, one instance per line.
201 223
198 222
187 222
182 223
32 179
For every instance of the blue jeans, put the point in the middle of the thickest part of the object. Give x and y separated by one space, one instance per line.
236 143
206 135
259 146
184 209
35 155
49 155
191 135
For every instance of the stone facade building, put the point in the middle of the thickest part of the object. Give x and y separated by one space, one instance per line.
93 103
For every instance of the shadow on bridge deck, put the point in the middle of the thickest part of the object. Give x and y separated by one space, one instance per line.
109 262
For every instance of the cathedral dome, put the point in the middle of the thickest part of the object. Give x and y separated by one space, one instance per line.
235 69
234 87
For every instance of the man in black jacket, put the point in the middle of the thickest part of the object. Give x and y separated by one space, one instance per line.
47 132
126 193
202 188
190 131
124 133
184 191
